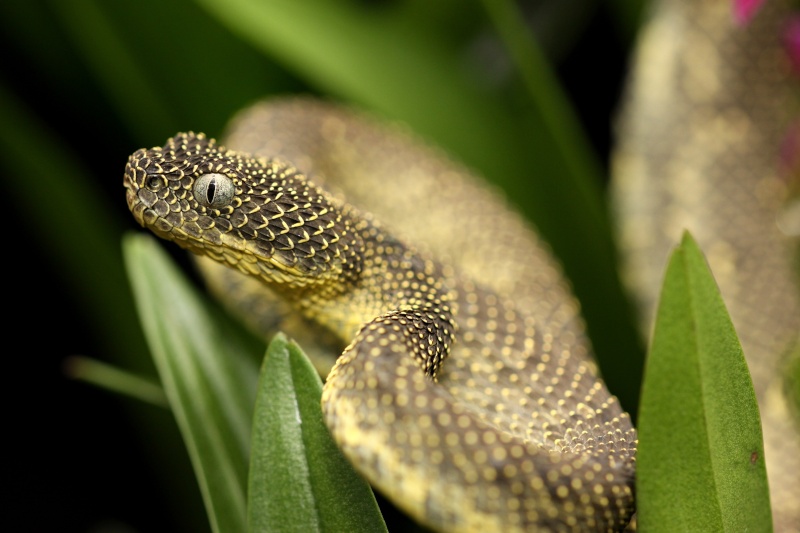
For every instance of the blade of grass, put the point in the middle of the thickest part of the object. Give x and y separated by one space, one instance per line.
701 453
208 371
299 481
115 379
552 109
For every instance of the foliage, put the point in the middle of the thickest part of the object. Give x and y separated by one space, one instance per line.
296 480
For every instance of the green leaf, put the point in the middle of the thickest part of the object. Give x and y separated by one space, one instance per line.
208 369
553 109
792 385
146 79
299 481
576 193
387 64
701 454
115 379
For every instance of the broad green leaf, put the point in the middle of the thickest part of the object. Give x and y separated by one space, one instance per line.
208 369
299 481
701 454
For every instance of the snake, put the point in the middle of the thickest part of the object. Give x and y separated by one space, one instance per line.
460 380
709 110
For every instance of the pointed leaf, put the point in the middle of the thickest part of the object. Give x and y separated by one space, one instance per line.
208 370
299 481
701 453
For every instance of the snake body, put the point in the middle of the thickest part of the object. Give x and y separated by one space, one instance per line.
466 392
708 111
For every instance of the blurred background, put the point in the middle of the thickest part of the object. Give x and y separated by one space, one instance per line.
526 93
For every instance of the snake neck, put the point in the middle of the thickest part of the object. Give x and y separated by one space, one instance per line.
397 288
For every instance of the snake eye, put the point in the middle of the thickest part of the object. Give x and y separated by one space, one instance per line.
213 190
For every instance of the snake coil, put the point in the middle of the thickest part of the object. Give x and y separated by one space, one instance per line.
466 392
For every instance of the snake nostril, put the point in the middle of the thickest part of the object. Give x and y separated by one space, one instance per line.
154 183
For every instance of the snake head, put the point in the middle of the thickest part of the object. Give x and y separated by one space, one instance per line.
258 215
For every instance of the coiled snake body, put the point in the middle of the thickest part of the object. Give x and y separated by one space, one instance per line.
466 392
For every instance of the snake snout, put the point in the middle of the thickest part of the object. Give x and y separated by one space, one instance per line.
148 195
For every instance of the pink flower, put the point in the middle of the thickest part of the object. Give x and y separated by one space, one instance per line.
745 10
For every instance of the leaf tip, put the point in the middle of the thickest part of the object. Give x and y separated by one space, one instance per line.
688 240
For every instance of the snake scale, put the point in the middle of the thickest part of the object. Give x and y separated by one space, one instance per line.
466 392
464 388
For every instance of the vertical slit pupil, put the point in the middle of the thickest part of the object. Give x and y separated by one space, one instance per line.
211 191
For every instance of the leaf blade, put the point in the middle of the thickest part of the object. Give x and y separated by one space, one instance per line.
115 379
698 411
299 481
208 373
